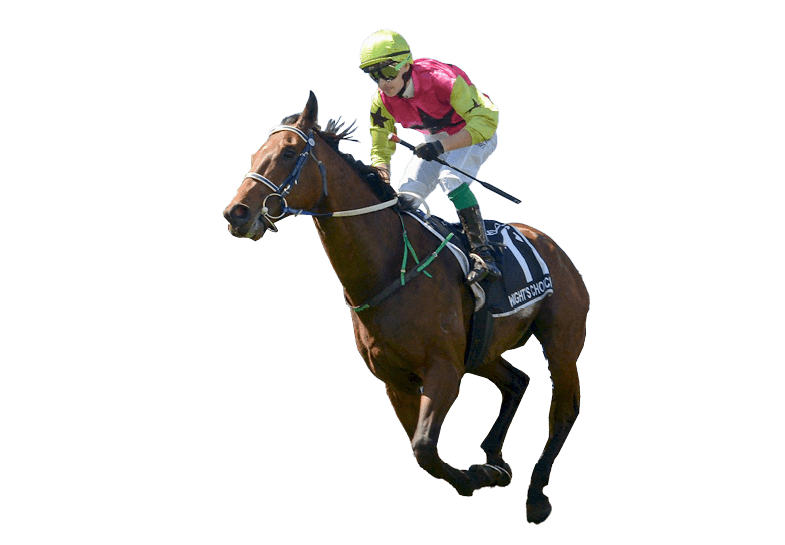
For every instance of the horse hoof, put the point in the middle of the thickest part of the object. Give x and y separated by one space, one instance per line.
505 473
537 510
492 474
466 492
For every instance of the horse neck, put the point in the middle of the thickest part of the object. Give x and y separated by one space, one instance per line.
362 249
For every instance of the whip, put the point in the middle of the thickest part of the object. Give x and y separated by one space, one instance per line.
394 138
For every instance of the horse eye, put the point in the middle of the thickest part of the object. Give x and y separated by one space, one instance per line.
289 153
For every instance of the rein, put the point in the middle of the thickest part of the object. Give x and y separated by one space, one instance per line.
281 191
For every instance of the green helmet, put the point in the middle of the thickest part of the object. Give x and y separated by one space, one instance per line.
384 48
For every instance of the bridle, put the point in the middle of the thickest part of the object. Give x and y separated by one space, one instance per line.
282 190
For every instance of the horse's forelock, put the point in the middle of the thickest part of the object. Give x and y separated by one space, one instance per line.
290 119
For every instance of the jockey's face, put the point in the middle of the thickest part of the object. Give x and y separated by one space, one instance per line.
393 87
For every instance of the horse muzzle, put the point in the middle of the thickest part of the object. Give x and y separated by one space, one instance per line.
244 224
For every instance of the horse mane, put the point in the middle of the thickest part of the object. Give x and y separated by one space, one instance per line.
333 134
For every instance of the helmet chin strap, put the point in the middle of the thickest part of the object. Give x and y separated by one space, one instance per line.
407 91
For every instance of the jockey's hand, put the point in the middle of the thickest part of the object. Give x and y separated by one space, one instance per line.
384 172
429 151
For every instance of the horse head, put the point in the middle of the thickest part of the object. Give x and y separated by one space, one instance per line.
285 178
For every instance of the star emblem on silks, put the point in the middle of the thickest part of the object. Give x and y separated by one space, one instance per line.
433 124
476 105
377 118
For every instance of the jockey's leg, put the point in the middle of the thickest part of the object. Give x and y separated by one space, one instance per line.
419 179
471 221
456 185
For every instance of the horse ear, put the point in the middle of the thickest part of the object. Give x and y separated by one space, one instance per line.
310 113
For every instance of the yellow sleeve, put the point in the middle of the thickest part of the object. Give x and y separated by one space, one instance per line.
382 124
479 112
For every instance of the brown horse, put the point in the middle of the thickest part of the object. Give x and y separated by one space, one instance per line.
415 339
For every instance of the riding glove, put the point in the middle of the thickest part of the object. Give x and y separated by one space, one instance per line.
429 151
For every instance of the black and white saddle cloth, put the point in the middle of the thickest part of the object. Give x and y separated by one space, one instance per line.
525 275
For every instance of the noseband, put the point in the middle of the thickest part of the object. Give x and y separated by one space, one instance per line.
281 191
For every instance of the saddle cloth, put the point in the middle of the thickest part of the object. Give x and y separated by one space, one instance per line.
525 275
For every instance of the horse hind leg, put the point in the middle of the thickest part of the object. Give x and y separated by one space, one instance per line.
512 384
565 406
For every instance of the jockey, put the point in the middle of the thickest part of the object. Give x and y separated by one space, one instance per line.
459 124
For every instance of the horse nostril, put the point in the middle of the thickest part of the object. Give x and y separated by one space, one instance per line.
239 211
237 214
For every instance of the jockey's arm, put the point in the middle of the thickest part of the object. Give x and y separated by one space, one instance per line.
460 139
479 112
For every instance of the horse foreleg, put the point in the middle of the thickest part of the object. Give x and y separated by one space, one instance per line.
439 391
512 384
407 408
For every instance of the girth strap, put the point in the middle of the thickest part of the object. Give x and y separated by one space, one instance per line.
406 276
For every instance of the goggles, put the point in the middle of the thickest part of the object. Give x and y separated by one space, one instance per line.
386 70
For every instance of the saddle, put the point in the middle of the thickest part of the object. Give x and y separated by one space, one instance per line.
525 277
